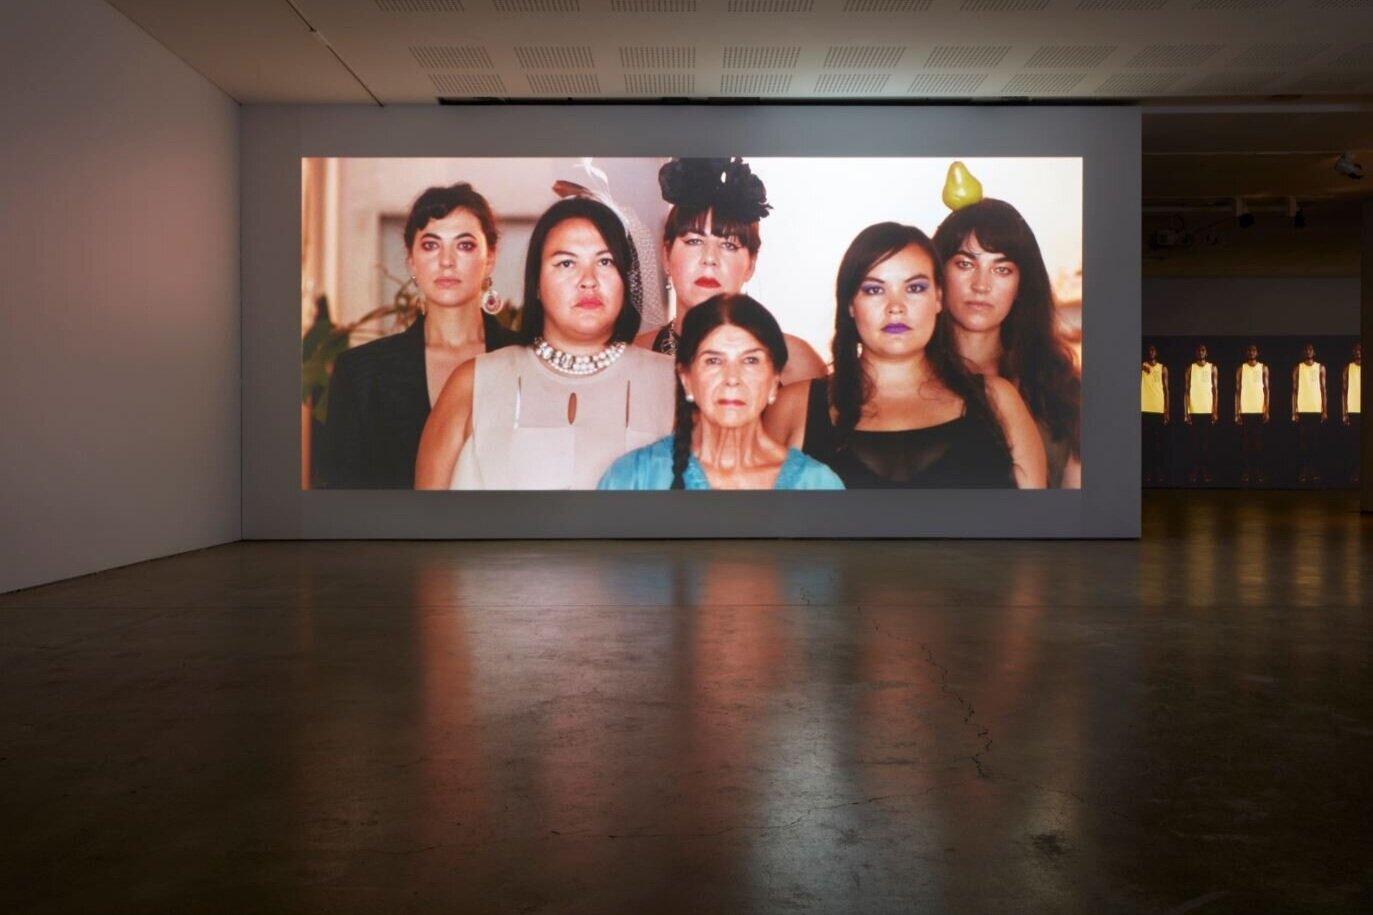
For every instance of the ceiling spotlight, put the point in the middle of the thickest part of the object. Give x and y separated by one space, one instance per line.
1294 213
1242 214
1348 166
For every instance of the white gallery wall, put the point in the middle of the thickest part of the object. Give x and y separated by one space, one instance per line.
119 342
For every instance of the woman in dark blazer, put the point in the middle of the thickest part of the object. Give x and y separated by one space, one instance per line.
381 392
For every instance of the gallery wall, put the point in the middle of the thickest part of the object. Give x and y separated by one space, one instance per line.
119 428
274 138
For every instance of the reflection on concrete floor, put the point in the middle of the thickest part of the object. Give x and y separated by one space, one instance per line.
1174 724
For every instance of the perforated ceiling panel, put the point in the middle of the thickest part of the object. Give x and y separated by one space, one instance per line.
1040 83
1133 83
761 58
954 84
755 84
450 57
1173 55
1069 56
972 57
862 58
570 85
478 84
1276 55
771 6
1237 82
660 84
851 83
653 6
886 6
660 58
420 6
555 58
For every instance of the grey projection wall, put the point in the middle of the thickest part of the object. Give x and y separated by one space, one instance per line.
274 138
119 427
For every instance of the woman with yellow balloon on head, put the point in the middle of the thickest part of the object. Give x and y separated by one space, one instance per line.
1000 303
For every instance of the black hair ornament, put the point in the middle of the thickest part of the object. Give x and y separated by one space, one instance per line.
726 185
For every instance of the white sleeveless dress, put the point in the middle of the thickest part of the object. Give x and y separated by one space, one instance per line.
527 433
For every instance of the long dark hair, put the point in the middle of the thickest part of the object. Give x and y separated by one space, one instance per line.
849 387
743 312
1033 355
616 242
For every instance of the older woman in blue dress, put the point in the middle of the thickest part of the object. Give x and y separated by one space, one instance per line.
730 358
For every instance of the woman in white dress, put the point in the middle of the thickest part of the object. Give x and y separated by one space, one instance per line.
557 411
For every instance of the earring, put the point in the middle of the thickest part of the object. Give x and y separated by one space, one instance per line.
690 398
491 300
772 398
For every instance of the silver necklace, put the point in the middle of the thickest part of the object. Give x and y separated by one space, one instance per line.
572 364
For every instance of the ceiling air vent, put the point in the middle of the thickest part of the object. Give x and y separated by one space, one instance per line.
771 6
554 57
862 58
1003 6
567 84
851 83
451 57
1122 6
1235 83
1064 57
959 84
675 58
537 6
653 6
1276 56
420 6
1136 83
1173 55
1356 58
759 84
886 6
1042 83
485 84
966 57
761 58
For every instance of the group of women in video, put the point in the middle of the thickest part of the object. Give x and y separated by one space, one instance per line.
948 370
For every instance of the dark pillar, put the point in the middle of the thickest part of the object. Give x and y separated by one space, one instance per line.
1365 324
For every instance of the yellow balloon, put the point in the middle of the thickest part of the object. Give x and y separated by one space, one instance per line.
961 188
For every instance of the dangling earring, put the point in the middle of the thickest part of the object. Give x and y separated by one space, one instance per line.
491 300
691 398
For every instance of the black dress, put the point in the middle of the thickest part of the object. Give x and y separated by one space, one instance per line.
378 403
964 453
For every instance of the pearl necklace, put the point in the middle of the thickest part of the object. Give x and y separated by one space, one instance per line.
570 364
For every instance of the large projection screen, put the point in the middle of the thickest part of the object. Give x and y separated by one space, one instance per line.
1101 145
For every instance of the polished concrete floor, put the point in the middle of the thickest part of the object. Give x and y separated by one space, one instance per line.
1181 724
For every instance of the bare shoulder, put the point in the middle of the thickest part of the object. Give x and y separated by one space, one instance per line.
1004 396
803 362
785 420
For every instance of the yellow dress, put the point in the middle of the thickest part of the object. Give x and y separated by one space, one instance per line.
1308 387
1355 399
1151 389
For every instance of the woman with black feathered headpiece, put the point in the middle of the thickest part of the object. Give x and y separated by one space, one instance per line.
711 243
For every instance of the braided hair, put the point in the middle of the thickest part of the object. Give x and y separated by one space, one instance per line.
742 311
850 388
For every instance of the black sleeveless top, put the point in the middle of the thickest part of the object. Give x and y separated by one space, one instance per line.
964 453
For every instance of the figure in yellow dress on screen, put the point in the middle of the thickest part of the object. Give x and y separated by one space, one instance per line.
1351 405
1308 411
1154 414
1251 412
1201 412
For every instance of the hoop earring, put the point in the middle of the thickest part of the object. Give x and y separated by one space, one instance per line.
491 300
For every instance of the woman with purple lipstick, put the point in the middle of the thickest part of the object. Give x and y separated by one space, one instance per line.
902 409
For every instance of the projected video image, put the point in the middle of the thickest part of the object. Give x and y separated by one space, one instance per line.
698 323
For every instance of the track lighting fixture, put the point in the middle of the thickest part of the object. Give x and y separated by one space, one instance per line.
1242 214
1348 166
